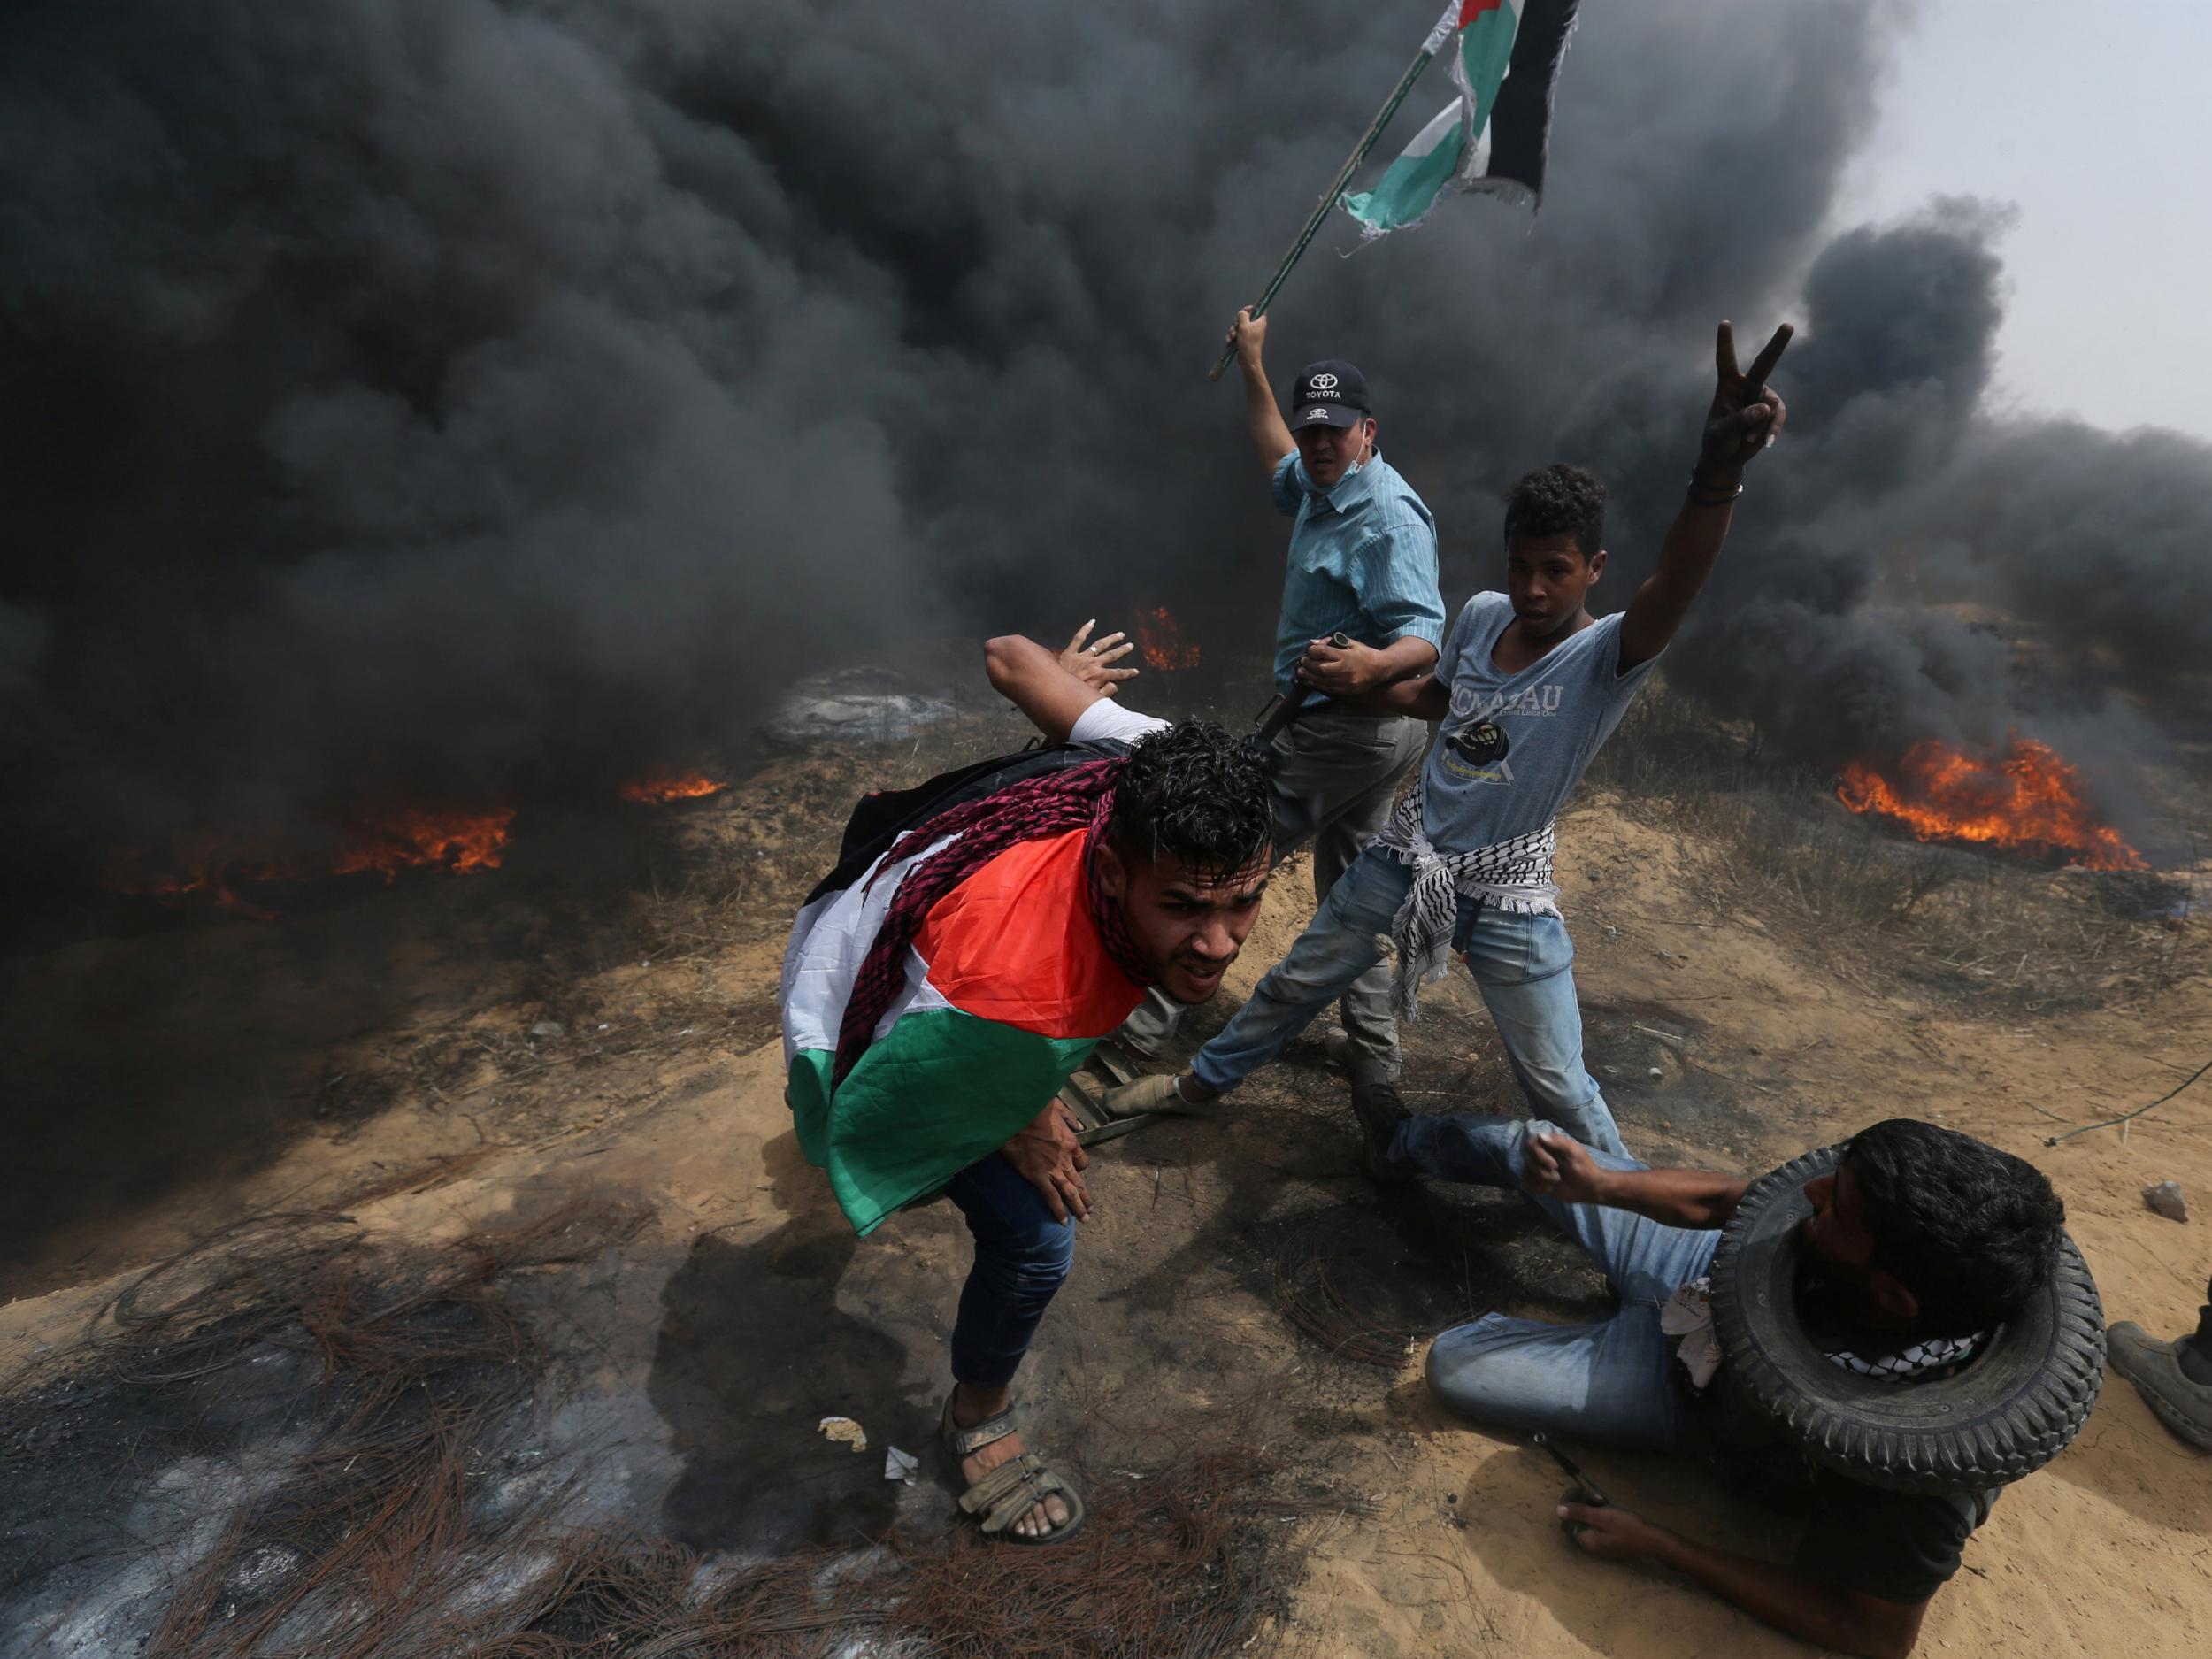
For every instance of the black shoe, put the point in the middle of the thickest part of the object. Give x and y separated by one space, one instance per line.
1380 1112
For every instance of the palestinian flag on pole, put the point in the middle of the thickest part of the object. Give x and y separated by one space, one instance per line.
1505 57
1008 986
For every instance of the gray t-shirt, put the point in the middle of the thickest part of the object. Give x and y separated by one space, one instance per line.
1533 733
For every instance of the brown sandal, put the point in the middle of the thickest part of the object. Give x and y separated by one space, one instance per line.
1011 1490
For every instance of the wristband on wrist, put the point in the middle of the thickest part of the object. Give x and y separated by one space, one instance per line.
1710 494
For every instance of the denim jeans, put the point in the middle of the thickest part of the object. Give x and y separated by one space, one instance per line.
1605 1380
1523 964
1336 774
1021 1258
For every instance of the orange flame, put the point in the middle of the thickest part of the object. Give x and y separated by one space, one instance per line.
660 785
403 838
200 868
2029 801
1160 640
422 837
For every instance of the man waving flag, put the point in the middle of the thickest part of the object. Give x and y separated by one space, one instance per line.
1504 56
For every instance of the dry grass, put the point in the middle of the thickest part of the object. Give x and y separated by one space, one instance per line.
415 1383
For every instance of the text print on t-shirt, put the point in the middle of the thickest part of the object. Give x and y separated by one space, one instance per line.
1469 761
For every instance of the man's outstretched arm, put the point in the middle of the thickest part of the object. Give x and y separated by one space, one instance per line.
1821 1613
1559 1166
1053 688
1848 1621
1270 437
1745 417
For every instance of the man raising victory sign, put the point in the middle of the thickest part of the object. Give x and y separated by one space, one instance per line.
1528 688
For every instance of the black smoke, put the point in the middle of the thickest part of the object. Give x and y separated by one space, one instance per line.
471 397
1920 537
1796 630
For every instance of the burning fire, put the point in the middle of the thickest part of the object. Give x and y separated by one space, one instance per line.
661 786
1160 640
2029 801
417 838
403 838
459 842
200 869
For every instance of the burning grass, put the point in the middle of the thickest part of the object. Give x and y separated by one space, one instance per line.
2027 800
1986 927
385 843
662 785
459 840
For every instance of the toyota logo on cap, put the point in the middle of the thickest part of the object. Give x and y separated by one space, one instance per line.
1331 385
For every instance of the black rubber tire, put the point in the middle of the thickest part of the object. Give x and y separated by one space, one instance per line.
2015 1407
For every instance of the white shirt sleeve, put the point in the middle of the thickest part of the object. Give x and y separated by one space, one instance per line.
1106 721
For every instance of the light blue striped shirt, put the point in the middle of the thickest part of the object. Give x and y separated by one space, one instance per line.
1363 561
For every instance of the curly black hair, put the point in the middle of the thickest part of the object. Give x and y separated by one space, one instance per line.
1972 1231
1557 500
1195 794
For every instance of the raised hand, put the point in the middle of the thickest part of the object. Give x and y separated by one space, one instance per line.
1746 414
1093 664
1248 334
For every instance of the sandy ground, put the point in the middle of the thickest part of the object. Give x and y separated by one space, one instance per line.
440 1054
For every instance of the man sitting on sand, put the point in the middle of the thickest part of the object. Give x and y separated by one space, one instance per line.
1528 688
1923 1240
936 997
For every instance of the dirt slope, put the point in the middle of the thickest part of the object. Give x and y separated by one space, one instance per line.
526 1040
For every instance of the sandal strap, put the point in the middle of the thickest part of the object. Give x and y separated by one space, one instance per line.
966 1442
1015 1505
1010 1491
996 1484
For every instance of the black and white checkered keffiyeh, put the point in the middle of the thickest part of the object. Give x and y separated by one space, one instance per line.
1688 1314
1514 876
1938 1353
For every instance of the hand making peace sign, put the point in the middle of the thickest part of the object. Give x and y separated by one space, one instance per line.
1746 414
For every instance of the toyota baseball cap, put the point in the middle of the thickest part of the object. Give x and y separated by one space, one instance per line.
1328 394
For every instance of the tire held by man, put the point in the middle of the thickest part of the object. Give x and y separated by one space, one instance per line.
2016 1404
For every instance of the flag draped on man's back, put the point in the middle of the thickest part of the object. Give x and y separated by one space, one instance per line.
1505 57
945 980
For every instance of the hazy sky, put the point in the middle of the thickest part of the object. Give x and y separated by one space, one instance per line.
2090 119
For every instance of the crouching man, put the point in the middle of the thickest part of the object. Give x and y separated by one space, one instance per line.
1922 1242
937 994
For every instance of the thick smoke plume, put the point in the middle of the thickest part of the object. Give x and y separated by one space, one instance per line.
462 398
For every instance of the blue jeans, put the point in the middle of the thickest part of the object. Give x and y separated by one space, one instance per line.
1524 965
1021 1258
1604 1382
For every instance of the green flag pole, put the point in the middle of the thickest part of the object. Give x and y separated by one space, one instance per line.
1329 196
